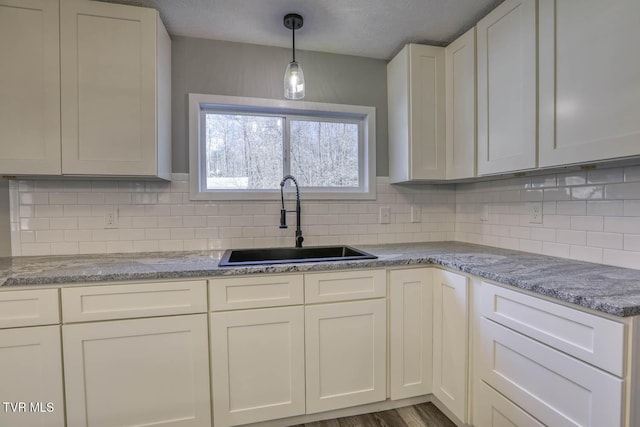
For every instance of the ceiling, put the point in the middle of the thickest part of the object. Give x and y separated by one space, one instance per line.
370 28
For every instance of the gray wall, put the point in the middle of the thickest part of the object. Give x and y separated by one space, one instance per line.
239 69
5 235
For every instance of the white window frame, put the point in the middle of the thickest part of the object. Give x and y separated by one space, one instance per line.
199 104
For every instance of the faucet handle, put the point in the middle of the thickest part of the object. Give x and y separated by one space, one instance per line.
283 218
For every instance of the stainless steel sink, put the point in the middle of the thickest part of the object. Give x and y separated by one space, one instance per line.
236 257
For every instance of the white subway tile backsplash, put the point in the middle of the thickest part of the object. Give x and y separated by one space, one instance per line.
586 215
59 217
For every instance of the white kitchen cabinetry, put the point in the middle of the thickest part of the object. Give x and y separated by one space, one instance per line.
346 354
410 332
416 99
507 91
145 371
589 105
460 64
531 352
451 341
257 355
85 89
115 63
30 359
29 87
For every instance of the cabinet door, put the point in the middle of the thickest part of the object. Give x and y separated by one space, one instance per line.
415 86
451 341
257 365
460 61
31 372
345 354
29 87
589 104
151 372
410 332
507 93
108 62
427 150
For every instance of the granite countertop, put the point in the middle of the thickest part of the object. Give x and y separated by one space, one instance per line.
604 288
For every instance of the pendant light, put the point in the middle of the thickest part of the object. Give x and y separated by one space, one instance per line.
293 75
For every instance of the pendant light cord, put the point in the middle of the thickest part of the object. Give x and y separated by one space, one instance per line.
293 31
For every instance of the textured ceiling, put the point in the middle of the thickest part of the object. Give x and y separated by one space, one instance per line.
371 28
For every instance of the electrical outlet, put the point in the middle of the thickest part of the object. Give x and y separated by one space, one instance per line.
535 213
484 213
385 215
110 217
416 214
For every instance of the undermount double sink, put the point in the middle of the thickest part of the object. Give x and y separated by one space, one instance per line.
264 256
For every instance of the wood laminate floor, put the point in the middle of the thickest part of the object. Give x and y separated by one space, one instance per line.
422 415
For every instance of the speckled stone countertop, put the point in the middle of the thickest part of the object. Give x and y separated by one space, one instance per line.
604 288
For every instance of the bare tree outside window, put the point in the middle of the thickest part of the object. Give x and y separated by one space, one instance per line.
243 152
324 154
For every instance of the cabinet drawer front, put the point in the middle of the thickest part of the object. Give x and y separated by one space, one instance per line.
345 285
29 308
494 410
255 292
136 300
555 388
590 338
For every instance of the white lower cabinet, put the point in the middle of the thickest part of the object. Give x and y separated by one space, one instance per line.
451 341
346 354
410 332
542 363
257 365
31 375
151 372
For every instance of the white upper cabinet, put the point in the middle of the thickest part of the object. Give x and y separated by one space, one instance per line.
416 101
115 96
589 80
29 87
460 62
507 90
84 89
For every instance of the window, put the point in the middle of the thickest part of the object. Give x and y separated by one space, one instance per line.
242 147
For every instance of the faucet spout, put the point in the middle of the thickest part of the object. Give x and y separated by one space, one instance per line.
283 211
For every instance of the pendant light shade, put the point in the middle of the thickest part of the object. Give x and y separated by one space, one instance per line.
293 75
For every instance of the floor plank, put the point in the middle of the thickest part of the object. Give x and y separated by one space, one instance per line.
422 415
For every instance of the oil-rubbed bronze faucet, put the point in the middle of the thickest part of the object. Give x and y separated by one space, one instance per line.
283 211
